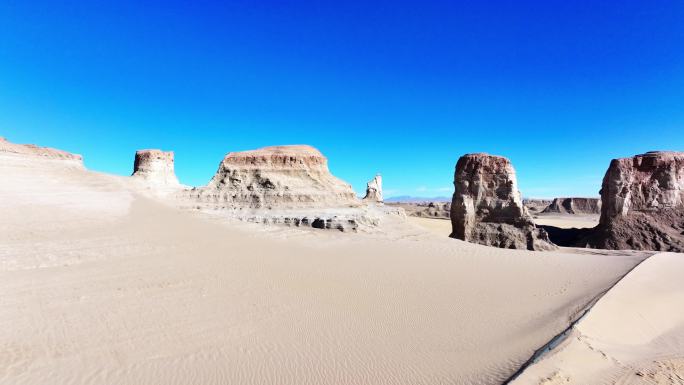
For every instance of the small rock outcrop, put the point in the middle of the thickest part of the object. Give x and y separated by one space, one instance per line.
280 177
155 167
487 207
437 210
574 206
321 221
374 190
642 204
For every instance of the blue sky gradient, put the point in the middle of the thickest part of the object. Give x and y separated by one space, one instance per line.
397 87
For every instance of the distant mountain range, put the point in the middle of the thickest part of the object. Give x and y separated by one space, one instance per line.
410 199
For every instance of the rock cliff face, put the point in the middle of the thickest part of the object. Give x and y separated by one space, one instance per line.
487 207
574 206
374 190
155 167
642 204
536 205
276 177
40 153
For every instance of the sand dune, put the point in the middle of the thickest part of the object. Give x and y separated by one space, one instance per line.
436 225
633 335
104 286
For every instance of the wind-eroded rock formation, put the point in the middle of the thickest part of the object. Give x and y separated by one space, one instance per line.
276 177
487 207
40 152
155 167
288 185
574 206
374 190
642 204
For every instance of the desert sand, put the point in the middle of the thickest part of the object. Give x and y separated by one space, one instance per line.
442 226
104 283
567 221
633 335
436 225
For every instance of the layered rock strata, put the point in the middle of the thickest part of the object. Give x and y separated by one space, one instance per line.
155 167
374 190
487 207
279 177
536 205
342 221
642 204
574 206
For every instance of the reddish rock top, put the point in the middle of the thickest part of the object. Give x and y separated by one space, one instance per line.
288 150
648 182
33 150
642 204
276 177
487 207
149 160
155 166
293 156
490 180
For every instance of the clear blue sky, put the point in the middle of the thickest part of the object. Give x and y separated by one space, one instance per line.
397 87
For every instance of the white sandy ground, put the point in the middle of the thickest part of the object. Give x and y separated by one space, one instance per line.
567 221
103 286
633 335
438 226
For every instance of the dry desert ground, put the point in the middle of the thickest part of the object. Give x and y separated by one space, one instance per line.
103 283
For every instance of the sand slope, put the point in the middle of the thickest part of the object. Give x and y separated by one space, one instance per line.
102 286
633 335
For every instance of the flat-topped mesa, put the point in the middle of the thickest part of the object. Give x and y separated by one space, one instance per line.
276 177
374 190
536 205
37 152
155 167
574 206
487 207
642 203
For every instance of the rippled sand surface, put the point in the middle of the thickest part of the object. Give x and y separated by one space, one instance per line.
101 285
633 335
